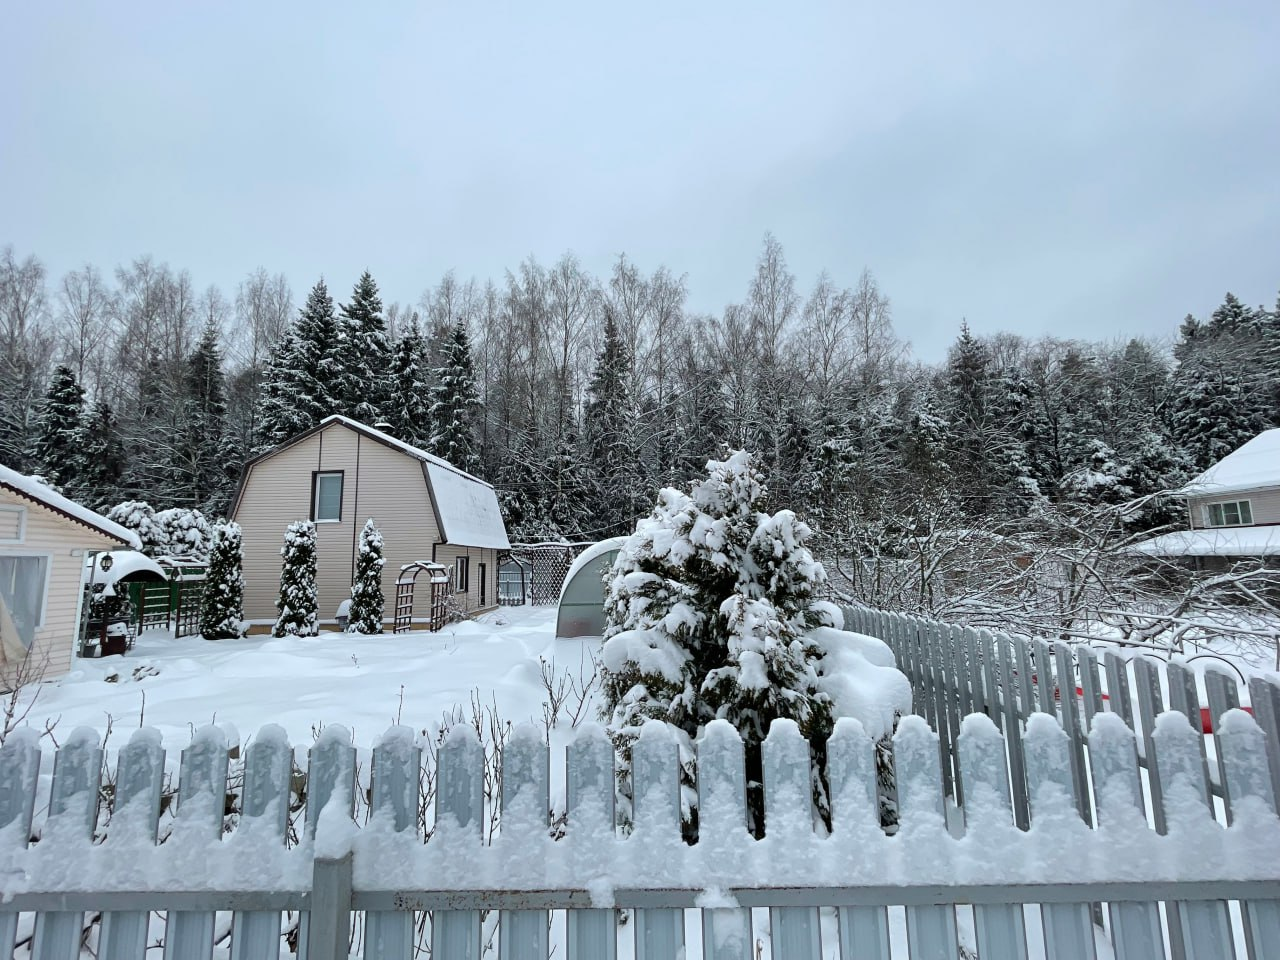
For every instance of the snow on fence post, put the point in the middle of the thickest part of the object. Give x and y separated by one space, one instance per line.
397 765
1113 756
139 778
855 811
19 773
788 822
655 788
988 819
589 794
1068 927
722 831
73 811
526 807
264 817
1249 774
1200 929
324 930
931 929
202 797
460 825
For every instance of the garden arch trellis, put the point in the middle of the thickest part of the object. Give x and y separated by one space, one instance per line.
402 620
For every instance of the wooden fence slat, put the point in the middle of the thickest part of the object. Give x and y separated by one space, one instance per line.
931 930
1068 927
1000 928
976 671
1185 698
589 782
1046 688
1150 705
202 792
1113 756
1071 726
962 668
1243 745
396 788
1222 696
19 775
1090 685
655 762
73 812
1198 930
722 827
990 664
264 818
1265 697
788 813
139 779
459 821
1118 686
1013 735
323 931
526 809
942 688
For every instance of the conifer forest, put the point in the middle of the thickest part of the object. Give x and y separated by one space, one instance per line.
579 396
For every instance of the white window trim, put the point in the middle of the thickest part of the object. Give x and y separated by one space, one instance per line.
458 565
315 495
22 522
1208 514
42 620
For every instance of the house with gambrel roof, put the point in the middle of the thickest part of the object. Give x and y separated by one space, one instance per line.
339 474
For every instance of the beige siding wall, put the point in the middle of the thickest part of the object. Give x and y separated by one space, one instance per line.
378 482
476 556
50 534
1264 504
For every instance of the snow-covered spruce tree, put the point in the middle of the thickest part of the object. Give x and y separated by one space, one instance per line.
298 386
57 452
204 464
104 457
409 412
367 601
297 605
185 533
222 606
454 402
362 356
710 614
140 517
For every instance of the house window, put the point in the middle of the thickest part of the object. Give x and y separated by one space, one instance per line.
23 585
12 524
460 570
326 500
1235 513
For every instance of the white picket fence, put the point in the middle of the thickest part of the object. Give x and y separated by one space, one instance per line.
957 670
1194 889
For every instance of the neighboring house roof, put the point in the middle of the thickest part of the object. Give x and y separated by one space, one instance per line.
37 492
1253 466
466 506
1215 542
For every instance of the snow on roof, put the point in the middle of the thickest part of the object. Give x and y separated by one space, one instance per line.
468 506
1256 464
33 489
1217 542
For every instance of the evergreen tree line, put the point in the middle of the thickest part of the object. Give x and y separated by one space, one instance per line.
578 396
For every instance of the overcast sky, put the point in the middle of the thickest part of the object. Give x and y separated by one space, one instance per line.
1081 169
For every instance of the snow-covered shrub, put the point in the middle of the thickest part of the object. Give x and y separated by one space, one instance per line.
297 604
222 606
186 532
140 517
367 602
711 612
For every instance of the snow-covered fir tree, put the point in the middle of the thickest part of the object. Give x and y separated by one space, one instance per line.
361 386
205 460
710 609
222 605
299 614
298 390
140 517
185 532
455 402
57 451
610 435
367 602
409 411
104 457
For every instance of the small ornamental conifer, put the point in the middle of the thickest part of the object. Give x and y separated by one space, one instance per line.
299 612
222 607
367 601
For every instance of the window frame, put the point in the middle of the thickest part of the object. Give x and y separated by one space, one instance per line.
42 617
316 476
461 574
21 511
1242 509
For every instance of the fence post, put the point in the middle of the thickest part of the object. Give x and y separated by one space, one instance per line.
1071 725
397 765
722 832
460 825
787 804
522 934
139 772
1013 734
655 781
589 784
19 775
1265 697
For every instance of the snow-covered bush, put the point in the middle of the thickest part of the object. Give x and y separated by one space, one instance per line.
367 602
222 606
712 613
186 532
297 604
140 517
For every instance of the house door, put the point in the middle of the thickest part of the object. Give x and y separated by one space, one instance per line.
481 568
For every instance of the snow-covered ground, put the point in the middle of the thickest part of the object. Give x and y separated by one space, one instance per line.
362 682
